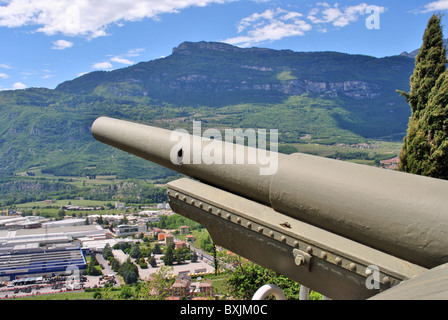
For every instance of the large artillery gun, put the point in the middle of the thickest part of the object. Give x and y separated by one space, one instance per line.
346 230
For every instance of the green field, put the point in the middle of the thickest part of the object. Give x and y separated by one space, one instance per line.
380 150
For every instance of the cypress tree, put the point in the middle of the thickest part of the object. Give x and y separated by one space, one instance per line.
432 132
168 258
430 64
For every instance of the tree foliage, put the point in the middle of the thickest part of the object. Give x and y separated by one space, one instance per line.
429 65
135 252
91 268
431 136
153 262
206 244
129 271
158 288
249 277
425 147
168 258
107 252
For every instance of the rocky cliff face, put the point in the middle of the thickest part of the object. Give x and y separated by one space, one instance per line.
352 88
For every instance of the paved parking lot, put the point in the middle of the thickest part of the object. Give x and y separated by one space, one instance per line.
38 289
189 267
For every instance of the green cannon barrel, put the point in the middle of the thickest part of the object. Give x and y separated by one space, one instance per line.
397 213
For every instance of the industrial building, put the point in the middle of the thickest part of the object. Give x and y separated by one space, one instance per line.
10 238
97 245
18 222
37 261
64 223
51 250
126 230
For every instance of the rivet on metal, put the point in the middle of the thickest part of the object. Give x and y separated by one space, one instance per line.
228 216
238 220
352 266
296 244
218 212
184 198
386 280
192 202
200 205
323 255
260 229
309 249
338 260
176 195
210 209
249 224
283 239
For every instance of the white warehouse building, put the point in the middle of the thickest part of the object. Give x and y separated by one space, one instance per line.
64 223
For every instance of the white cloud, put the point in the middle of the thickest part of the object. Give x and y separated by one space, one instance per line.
269 25
62 44
121 60
102 65
4 66
248 21
18 86
134 52
89 18
4 75
435 6
15 86
275 24
338 17
292 15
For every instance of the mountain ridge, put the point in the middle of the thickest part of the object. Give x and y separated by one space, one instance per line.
202 68
186 47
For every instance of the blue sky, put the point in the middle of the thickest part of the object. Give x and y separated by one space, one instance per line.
46 42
